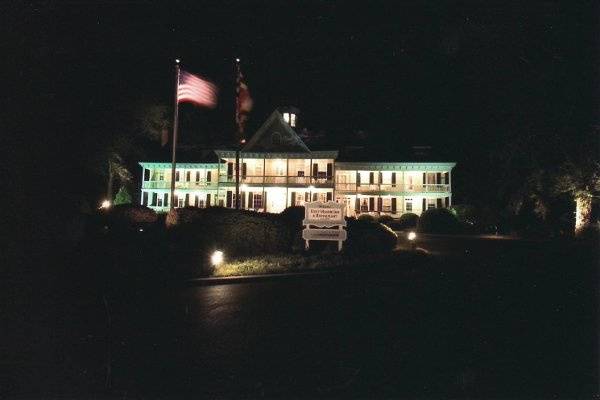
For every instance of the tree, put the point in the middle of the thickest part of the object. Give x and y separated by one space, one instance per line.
153 122
123 196
581 180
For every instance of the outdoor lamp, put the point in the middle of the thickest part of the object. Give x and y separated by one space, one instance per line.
216 258
105 204
411 238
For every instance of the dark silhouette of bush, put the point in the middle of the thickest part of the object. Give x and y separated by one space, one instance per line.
366 217
235 232
385 219
439 220
369 237
406 221
293 217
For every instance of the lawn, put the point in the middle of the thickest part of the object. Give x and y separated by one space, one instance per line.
286 263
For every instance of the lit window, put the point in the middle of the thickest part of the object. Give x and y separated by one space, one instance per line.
408 205
293 120
430 204
257 201
286 117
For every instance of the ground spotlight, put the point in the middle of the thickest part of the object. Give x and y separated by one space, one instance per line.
216 258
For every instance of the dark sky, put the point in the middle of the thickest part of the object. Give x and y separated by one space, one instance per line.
456 75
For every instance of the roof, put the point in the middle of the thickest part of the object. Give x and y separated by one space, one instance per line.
185 154
275 136
382 154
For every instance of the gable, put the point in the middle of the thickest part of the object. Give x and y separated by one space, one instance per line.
275 135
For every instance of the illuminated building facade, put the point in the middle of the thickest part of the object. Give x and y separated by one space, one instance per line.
278 170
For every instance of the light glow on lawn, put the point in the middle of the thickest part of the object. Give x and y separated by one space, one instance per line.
216 258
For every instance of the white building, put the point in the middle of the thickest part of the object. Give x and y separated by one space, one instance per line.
278 170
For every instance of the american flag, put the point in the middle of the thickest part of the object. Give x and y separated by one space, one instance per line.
196 90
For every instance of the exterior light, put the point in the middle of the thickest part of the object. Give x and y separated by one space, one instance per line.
412 236
237 60
216 258
177 60
105 204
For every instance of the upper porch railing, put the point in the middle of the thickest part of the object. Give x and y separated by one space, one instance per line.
388 187
203 184
279 180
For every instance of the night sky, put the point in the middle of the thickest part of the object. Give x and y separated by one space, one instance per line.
461 76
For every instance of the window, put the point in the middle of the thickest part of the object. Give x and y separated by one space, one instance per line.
197 176
257 201
286 117
160 175
293 120
144 198
159 201
181 201
187 176
364 206
408 205
431 178
177 176
430 204
387 204
146 174
300 173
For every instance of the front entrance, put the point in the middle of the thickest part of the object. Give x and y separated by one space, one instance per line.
275 200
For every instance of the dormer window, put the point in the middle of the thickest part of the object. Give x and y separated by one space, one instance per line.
290 118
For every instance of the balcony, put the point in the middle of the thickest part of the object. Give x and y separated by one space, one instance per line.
179 185
388 187
279 180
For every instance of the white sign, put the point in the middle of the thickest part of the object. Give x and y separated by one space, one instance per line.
324 214
328 215
324 234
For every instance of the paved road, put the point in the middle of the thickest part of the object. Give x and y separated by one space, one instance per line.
459 327
469 245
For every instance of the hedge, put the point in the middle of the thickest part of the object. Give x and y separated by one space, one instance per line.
369 237
439 220
236 232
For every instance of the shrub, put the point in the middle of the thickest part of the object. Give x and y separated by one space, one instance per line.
128 216
123 196
293 216
366 217
439 220
386 220
406 221
236 232
369 237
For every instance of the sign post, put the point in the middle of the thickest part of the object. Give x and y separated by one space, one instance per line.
322 215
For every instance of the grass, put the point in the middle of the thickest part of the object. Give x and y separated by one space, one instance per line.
285 263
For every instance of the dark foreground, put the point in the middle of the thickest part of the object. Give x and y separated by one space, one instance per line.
517 322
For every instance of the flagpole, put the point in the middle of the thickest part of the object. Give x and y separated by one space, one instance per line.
237 139
175 117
